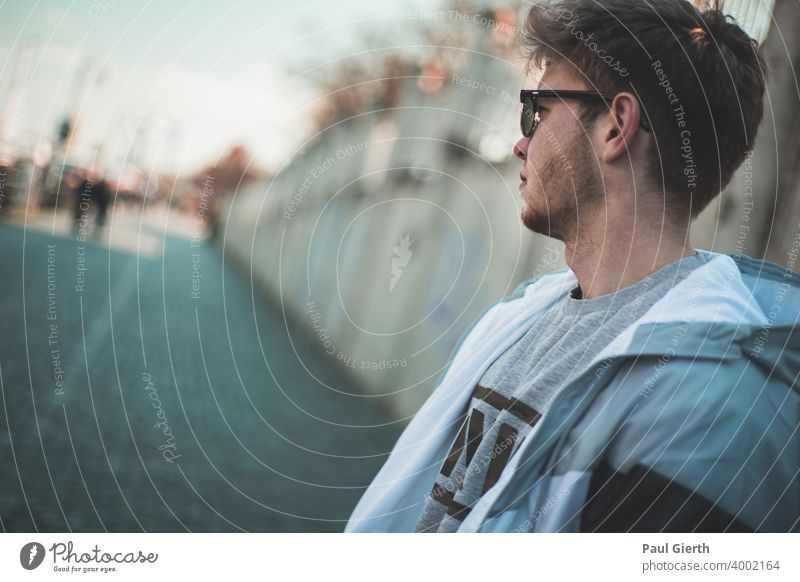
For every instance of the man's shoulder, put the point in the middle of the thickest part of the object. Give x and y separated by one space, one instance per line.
530 298
512 312
770 283
527 287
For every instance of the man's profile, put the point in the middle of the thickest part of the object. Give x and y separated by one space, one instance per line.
651 386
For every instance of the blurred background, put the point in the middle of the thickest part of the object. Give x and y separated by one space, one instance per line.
240 242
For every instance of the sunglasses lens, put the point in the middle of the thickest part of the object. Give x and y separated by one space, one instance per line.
528 119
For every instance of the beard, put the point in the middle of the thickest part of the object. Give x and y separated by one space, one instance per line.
566 188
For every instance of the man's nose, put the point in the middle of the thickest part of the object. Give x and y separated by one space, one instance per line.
521 148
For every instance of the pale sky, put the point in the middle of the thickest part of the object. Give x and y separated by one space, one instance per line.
183 80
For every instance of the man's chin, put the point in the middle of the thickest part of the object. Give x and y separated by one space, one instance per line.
534 221
541 223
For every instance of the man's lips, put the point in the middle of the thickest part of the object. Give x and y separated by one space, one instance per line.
522 177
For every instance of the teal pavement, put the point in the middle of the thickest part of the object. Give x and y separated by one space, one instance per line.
160 393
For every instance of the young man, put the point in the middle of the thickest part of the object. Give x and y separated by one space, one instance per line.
650 386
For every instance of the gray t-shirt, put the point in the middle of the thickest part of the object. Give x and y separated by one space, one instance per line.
516 390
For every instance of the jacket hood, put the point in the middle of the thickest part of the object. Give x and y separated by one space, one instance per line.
732 307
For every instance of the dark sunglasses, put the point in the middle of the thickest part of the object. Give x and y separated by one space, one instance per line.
530 118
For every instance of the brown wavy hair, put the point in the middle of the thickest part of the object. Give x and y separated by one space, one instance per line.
698 76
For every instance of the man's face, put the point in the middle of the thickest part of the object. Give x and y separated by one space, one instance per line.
559 177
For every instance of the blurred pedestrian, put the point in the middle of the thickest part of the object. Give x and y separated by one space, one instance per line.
91 196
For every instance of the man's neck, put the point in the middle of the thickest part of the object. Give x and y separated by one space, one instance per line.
614 257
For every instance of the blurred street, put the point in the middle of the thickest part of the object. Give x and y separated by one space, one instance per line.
235 266
139 396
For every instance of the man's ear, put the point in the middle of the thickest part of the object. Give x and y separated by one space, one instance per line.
623 118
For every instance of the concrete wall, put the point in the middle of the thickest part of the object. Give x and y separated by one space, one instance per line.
323 236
